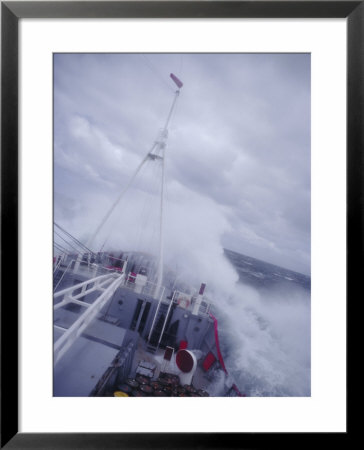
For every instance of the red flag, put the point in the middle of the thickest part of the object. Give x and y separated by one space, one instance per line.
176 80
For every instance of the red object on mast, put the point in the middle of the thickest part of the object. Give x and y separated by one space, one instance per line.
176 80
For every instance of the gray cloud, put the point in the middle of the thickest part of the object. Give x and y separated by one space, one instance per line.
239 146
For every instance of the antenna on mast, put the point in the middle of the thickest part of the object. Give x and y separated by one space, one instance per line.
176 80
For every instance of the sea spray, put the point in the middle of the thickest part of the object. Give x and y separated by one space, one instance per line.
264 328
265 340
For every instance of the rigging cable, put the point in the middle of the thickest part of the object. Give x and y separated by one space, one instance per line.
73 238
59 247
148 212
69 243
155 71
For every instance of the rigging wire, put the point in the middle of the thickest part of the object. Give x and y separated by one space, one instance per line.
115 214
116 204
73 238
131 180
59 247
68 243
155 71
145 207
148 219
148 155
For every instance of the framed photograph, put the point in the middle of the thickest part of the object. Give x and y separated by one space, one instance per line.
191 170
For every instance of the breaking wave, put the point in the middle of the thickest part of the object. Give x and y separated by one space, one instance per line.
265 338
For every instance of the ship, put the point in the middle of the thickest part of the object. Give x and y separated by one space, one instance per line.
124 325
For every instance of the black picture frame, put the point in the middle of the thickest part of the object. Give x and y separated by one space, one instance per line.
11 12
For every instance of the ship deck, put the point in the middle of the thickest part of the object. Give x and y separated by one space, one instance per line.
199 381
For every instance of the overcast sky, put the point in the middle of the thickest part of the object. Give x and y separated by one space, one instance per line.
238 156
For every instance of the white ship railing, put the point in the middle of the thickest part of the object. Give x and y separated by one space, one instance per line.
94 269
57 265
106 284
63 275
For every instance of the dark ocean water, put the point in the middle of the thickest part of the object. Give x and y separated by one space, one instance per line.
261 274
265 329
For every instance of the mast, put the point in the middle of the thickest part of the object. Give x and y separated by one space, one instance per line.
156 152
164 136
